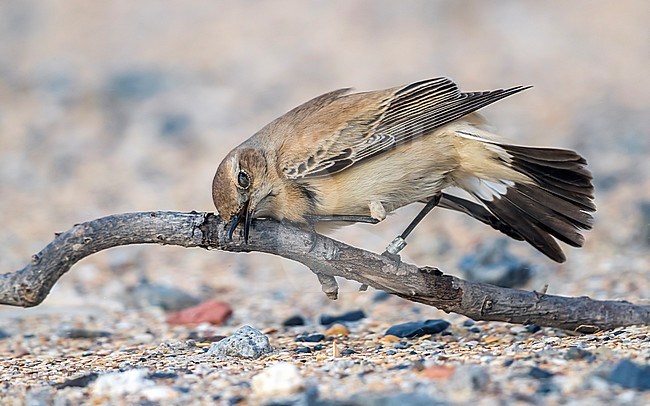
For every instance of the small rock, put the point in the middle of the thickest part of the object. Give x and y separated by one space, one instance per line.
281 379
417 328
174 125
578 353
348 352
533 328
474 330
318 347
546 387
492 263
438 372
389 338
244 343
162 375
468 323
4 334
212 311
304 350
644 208
402 345
630 375
381 296
399 399
40 396
78 382
115 384
539 373
337 330
294 321
158 393
353 315
136 85
312 338
168 298
391 352
235 400
76 333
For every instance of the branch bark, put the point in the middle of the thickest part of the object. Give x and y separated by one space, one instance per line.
327 258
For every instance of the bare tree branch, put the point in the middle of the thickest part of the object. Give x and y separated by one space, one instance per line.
327 258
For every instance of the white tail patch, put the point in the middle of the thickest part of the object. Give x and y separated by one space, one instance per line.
486 189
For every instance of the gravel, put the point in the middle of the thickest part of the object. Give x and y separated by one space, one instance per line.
123 106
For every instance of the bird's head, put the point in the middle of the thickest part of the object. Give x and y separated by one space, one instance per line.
239 185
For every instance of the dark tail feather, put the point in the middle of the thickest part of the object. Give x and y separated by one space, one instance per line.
478 212
557 204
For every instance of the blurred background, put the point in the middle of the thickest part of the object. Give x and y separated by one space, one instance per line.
118 106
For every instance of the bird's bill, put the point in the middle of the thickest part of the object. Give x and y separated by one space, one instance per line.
245 215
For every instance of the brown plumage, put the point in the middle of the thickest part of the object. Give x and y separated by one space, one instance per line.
358 156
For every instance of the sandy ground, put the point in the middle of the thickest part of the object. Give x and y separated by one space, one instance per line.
118 106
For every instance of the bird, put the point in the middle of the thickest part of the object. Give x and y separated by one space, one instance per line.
357 157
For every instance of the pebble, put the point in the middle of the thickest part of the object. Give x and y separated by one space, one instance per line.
115 384
381 296
402 345
168 298
311 338
77 333
303 350
578 353
417 328
246 342
630 375
294 321
466 383
399 399
438 372
281 379
539 373
135 85
532 328
353 315
644 224
337 329
492 263
162 375
348 352
4 334
213 311
78 382
37 397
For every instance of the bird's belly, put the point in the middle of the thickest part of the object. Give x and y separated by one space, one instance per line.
406 174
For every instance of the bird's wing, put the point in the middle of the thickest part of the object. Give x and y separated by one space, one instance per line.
362 125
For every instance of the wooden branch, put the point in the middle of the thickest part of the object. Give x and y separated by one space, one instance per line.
327 258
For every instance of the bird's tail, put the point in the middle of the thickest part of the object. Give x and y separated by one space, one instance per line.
543 194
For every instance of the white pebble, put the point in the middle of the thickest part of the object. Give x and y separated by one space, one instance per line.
280 379
121 383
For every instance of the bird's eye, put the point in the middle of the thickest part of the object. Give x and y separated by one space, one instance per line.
243 180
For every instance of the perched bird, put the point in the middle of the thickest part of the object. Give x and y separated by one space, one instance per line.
356 157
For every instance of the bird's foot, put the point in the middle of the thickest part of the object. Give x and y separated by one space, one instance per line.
393 249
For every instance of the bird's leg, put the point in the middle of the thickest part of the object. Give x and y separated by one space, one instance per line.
342 217
399 242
